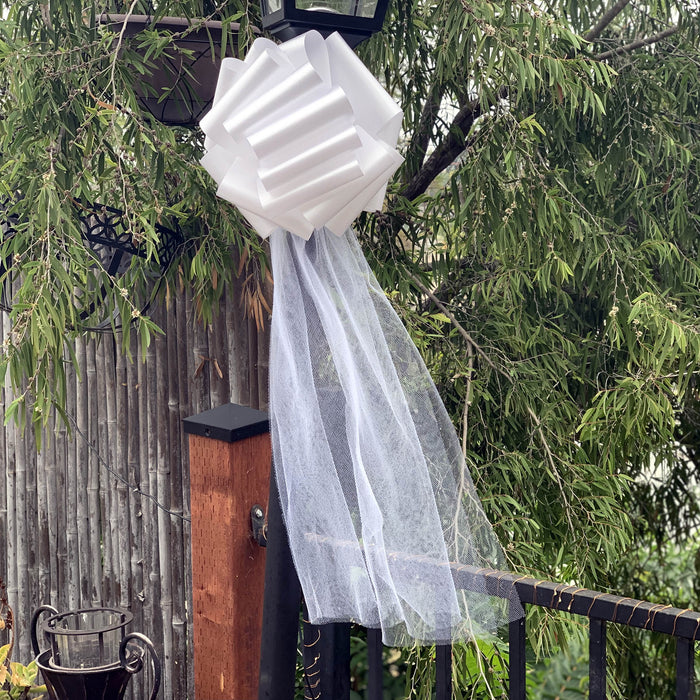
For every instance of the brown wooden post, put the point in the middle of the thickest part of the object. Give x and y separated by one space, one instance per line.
230 457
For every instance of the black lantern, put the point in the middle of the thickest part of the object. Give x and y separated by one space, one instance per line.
86 638
90 655
107 233
356 20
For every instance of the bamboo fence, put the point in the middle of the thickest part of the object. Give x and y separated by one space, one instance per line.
100 516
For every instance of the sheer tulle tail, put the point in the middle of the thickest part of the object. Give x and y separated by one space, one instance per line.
375 493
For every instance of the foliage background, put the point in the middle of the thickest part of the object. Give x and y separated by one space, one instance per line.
540 242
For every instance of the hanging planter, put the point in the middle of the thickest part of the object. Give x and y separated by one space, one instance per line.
108 234
180 88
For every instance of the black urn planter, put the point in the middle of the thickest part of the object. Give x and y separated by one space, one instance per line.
187 79
108 683
90 656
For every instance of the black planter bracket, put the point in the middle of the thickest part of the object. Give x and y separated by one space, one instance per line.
258 525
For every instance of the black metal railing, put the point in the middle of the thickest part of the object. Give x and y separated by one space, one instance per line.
600 609
326 648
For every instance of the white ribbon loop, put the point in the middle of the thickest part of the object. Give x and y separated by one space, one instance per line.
301 135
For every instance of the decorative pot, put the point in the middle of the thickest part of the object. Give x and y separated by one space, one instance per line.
187 81
90 656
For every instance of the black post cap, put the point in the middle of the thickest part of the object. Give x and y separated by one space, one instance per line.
230 423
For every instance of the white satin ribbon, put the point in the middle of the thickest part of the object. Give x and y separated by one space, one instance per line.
301 135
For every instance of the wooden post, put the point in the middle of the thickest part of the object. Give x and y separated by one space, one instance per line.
230 457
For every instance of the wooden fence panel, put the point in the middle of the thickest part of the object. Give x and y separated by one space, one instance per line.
101 516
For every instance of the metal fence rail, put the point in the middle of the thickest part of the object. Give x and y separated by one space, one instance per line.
326 648
600 609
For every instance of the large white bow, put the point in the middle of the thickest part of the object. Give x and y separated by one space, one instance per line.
301 135
373 486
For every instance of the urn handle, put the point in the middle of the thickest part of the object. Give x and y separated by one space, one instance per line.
134 665
35 619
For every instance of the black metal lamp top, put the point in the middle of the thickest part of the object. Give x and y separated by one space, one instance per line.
356 20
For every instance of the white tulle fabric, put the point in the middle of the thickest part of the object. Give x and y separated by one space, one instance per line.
372 480
375 494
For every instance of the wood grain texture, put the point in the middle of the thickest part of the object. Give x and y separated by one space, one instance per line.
228 566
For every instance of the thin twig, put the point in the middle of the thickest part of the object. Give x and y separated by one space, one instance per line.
637 44
550 459
467 398
118 47
453 320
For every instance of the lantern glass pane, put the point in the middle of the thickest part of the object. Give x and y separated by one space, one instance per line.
351 8
270 6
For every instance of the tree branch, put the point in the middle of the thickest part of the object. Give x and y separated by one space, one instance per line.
415 153
606 19
449 148
453 320
637 44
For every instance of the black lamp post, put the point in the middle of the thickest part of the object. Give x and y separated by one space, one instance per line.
106 232
356 20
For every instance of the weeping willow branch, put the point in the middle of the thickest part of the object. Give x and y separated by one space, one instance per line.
640 43
606 19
